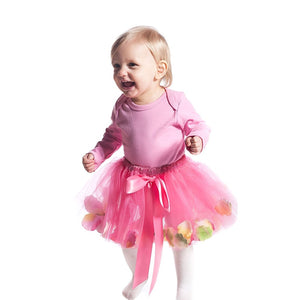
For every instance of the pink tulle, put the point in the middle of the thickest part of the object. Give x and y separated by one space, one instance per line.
199 203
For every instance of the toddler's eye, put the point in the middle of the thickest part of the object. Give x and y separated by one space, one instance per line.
116 66
132 65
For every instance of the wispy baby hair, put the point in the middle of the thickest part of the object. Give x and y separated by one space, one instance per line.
154 41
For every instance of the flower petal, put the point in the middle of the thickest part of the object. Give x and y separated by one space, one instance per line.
130 239
170 236
204 230
223 207
94 206
92 221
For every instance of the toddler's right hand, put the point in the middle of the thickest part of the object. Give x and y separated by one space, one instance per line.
88 162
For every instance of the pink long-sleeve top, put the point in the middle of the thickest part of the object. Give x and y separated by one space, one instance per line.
153 134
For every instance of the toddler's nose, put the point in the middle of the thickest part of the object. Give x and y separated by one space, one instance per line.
122 72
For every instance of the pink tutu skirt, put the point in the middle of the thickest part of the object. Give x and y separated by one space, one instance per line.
187 198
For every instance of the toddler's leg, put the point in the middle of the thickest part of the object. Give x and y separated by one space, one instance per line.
184 269
130 257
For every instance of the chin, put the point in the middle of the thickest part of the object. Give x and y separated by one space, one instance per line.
130 94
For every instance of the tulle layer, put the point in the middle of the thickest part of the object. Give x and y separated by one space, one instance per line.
192 202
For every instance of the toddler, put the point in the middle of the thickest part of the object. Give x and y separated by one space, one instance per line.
155 192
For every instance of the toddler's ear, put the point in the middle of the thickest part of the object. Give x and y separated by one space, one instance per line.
162 68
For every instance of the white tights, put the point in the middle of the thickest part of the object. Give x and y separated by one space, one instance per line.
130 257
184 269
184 263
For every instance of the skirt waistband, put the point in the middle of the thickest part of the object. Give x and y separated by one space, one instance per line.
154 170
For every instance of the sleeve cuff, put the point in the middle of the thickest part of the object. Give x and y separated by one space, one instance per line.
98 156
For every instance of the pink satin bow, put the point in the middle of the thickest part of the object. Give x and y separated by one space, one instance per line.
156 204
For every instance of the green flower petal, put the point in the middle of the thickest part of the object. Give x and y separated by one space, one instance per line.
204 232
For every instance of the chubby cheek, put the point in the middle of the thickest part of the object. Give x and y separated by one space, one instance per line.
115 78
117 82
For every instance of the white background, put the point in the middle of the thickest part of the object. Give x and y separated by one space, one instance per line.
238 63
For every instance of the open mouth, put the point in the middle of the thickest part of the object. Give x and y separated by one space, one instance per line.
127 84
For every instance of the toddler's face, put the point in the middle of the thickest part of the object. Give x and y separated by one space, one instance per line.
135 70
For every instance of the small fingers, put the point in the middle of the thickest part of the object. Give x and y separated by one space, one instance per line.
196 145
188 142
88 162
88 158
89 167
196 139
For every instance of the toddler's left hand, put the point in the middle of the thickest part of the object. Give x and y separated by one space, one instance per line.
194 144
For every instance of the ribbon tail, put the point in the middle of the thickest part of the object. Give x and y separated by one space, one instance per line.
163 194
159 239
145 248
142 263
156 202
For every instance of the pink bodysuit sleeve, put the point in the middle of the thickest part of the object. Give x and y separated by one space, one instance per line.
111 142
190 121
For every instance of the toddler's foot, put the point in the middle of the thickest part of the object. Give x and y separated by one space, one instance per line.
184 294
130 293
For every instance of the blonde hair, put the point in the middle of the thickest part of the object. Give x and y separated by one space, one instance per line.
154 41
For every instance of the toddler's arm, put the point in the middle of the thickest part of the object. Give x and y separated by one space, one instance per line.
194 144
193 126
111 142
88 162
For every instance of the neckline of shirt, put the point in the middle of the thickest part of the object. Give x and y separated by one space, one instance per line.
146 106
